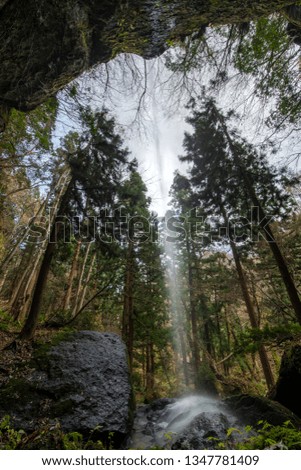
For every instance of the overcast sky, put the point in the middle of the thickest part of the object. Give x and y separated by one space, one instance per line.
155 136
157 154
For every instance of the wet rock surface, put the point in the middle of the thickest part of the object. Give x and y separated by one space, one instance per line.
204 432
82 382
147 422
200 422
288 386
191 422
251 409
45 45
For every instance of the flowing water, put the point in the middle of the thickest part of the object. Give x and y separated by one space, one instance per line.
164 421
175 310
178 415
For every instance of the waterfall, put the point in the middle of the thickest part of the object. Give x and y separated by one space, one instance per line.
179 414
173 284
188 422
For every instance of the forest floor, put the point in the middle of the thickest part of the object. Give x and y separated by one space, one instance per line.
17 354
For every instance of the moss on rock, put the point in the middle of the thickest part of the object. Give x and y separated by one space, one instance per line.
288 387
45 45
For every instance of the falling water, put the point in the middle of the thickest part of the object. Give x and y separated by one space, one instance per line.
162 163
153 422
170 421
173 283
179 414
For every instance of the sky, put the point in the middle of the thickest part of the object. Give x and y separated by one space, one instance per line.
158 154
156 137
155 134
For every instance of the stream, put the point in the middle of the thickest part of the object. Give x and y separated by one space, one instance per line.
192 421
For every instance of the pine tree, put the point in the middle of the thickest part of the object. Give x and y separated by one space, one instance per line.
95 168
230 177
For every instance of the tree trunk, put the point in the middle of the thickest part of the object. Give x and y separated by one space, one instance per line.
5 263
18 289
150 370
19 297
79 288
87 280
29 327
67 299
19 310
280 261
266 229
83 306
266 367
193 319
128 305
4 268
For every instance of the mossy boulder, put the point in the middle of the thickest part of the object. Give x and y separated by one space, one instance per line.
82 383
251 409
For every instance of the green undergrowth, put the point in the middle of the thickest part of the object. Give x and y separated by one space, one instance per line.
49 436
264 436
6 322
282 437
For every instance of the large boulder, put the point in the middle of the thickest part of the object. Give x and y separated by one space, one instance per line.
288 386
252 409
82 382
